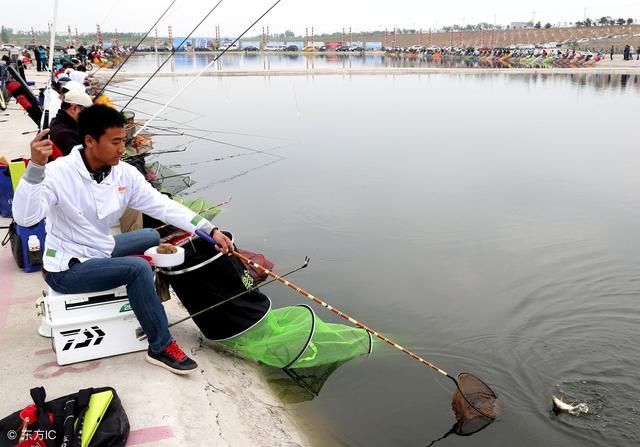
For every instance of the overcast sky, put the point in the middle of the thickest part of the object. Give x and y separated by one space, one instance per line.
233 16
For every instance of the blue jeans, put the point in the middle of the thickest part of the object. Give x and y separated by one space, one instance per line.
96 275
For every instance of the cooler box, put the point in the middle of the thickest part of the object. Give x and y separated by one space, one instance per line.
94 325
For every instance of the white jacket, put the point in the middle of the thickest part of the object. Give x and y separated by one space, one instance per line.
80 212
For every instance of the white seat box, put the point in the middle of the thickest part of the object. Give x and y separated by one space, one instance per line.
92 325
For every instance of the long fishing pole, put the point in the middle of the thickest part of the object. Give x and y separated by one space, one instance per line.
200 213
229 132
135 48
141 335
151 101
52 50
212 160
215 59
257 151
235 176
171 55
341 314
186 126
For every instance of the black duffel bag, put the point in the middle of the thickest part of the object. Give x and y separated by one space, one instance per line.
14 240
208 277
49 424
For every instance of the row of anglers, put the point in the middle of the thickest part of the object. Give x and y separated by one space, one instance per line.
82 57
520 57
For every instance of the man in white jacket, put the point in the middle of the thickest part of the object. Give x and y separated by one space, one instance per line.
82 196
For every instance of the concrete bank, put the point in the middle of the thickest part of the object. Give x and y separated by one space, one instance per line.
225 403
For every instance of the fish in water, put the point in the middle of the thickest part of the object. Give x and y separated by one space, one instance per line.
560 406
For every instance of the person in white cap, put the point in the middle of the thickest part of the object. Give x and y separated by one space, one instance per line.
64 127
53 97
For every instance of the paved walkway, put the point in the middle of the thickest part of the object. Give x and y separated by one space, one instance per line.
225 403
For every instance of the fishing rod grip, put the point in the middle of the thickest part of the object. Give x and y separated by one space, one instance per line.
205 236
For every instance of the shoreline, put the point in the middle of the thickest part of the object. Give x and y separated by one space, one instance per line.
384 71
227 402
615 66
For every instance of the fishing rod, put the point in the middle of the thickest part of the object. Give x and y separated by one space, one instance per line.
141 335
151 101
187 127
226 157
215 59
257 151
484 399
52 50
164 118
210 160
135 48
235 176
171 55
200 213
168 151
242 134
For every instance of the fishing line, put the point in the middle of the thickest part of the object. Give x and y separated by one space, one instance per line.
171 55
136 47
198 129
151 101
242 134
135 89
164 118
226 157
209 65
113 5
240 174
257 151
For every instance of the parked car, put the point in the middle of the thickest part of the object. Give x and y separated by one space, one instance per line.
343 48
251 48
291 48
309 49
273 47
355 47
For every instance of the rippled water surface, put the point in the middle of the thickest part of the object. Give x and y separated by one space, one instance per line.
490 223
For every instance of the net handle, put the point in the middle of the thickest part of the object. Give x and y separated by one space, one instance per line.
338 312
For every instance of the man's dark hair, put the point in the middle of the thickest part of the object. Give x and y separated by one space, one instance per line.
95 120
81 68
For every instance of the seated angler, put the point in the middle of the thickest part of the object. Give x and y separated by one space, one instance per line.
64 127
82 196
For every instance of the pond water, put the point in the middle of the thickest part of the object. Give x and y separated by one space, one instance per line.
487 222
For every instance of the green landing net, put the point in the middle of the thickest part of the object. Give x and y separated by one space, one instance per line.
294 337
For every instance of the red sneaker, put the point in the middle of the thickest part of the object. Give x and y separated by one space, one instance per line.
172 358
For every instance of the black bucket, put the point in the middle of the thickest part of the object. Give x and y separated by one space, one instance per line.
208 277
